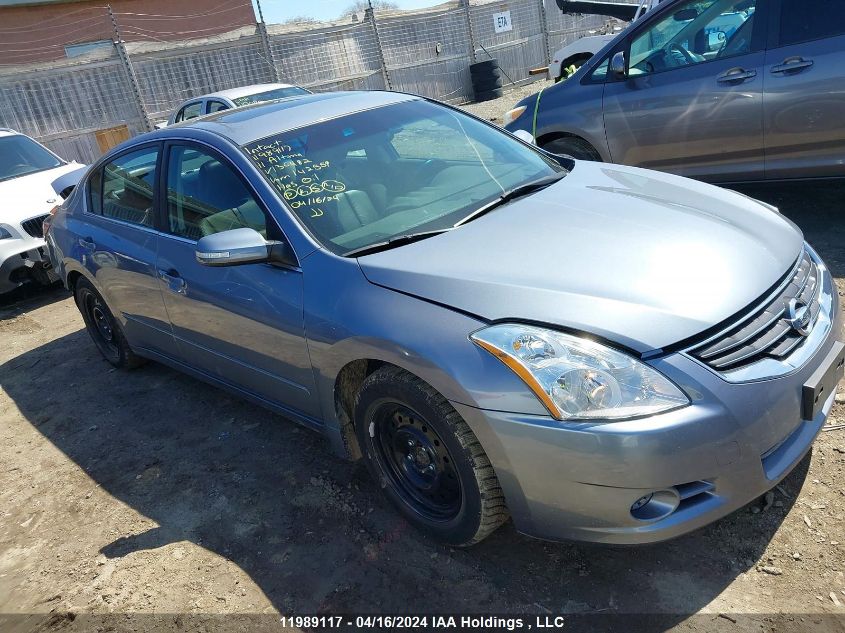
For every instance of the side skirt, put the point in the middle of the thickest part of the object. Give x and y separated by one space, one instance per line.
275 407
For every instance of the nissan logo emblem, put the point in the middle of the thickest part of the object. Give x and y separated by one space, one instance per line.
799 317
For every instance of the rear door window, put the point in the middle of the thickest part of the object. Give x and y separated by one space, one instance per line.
123 189
216 106
190 111
808 20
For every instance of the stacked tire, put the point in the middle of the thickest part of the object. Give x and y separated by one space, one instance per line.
486 80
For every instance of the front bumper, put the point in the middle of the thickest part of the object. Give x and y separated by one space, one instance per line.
578 481
22 261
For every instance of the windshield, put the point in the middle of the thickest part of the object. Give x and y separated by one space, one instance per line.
20 155
411 167
270 95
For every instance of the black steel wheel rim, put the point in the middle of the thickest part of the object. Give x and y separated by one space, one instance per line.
103 325
415 461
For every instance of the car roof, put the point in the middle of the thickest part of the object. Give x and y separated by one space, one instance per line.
253 122
5 131
242 91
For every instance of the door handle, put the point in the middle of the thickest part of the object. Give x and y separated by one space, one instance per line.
87 243
736 74
173 281
792 64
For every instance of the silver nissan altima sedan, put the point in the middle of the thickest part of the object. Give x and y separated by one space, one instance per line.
601 352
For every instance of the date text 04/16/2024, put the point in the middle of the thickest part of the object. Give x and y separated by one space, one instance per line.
424 622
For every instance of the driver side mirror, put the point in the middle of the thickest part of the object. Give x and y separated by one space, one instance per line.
617 65
242 246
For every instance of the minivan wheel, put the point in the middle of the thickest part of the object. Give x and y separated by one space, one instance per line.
104 330
573 146
428 462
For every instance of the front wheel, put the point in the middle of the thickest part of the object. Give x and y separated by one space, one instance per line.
426 458
573 146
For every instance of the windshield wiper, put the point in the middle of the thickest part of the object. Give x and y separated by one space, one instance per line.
393 242
516 192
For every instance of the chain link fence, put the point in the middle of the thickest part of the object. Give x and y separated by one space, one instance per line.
428 52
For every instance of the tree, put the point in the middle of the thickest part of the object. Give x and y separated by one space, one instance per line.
360 5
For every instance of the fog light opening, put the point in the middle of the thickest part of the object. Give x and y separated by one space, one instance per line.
655 505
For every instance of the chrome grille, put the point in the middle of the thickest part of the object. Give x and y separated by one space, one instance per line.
34 227
765 332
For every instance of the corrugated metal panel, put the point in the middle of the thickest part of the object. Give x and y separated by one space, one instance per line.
330 58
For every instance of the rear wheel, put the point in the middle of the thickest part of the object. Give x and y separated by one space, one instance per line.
104 330
573 146
426 459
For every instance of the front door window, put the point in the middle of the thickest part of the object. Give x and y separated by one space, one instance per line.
693 33
205 195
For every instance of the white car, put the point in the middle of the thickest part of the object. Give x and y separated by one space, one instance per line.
579 51
27 173
233 98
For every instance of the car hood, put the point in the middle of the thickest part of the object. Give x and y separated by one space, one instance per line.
638 257
28 196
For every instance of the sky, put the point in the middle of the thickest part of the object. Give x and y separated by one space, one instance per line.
280 10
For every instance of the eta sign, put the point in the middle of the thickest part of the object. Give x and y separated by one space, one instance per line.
502 22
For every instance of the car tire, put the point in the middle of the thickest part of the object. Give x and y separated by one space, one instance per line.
487 95
103 328
426 459
574 147
484 67
491 83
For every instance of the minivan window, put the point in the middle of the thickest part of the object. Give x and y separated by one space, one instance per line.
807 20
206 196
123 188
692 33
599 73
424 167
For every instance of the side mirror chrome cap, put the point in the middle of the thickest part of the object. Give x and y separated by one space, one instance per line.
617 64
233 247
525 135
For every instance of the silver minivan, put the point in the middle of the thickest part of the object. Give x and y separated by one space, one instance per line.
722 90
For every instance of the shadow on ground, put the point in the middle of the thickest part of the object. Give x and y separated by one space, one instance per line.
29 297
313 531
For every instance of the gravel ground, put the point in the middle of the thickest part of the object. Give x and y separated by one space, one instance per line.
148 492
494 109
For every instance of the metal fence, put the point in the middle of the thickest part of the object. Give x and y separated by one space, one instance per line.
426 52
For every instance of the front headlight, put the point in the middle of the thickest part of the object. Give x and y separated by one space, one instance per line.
579 379
512 115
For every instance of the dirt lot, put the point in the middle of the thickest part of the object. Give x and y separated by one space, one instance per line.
150 492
